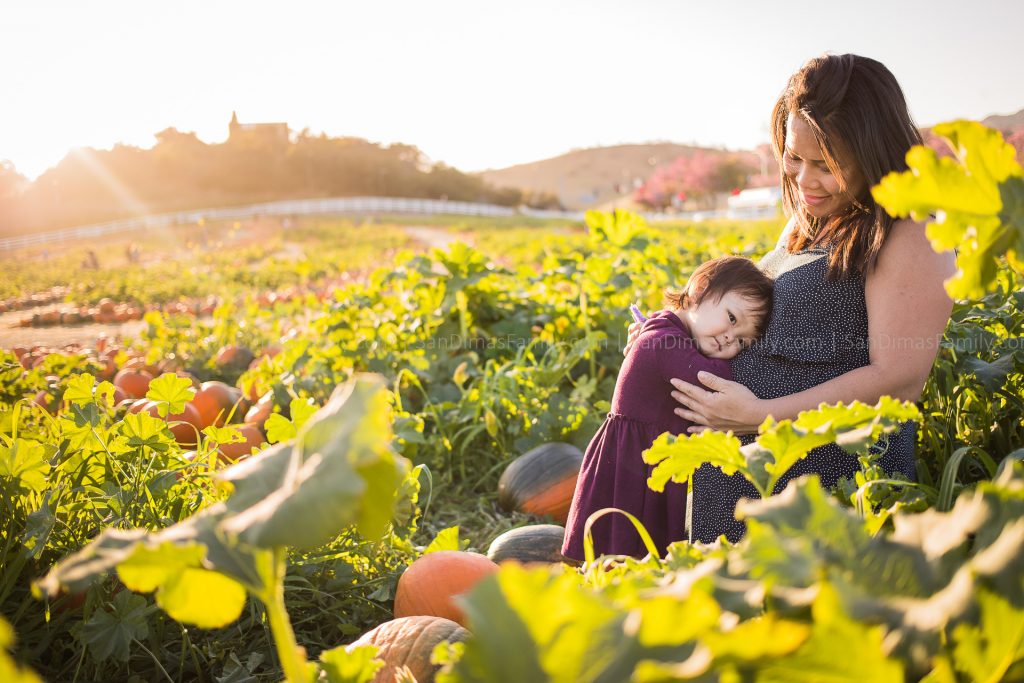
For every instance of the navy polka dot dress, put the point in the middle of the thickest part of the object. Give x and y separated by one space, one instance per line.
818 330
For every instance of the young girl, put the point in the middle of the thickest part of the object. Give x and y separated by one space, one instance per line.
723 308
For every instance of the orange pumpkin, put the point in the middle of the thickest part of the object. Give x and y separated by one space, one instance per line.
231 452
542 481
429 584
214 401
259 413
133 381
233 357
188 421
408 642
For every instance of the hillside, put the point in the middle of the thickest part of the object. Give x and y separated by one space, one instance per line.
584 178
1005 122
599 176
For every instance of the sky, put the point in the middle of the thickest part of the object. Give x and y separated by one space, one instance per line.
475 84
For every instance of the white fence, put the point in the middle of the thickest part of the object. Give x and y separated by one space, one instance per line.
341 205
293 207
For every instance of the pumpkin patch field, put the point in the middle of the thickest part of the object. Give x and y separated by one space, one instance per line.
356 464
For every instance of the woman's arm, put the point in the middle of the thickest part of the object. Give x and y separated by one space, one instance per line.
908 309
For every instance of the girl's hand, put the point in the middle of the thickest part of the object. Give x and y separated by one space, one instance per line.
728 406
634 332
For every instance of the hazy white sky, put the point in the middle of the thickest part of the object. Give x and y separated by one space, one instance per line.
476 83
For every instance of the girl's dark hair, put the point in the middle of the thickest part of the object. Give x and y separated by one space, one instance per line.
855 105
714 278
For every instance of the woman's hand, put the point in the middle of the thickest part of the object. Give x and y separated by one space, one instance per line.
728 406
634 332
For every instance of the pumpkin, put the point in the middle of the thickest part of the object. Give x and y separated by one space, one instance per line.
408 642
541 481
429 584
233 357
231 452
527 544
133 381
188 421
214 401
262 410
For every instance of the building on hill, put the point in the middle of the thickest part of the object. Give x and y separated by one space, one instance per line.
274 133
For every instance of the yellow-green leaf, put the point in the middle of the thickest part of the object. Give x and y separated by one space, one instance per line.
79 390
172 392
202 597
678 457
150 567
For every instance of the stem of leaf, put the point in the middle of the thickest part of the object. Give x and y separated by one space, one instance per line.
293 660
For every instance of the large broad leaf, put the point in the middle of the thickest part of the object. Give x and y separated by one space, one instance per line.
678 457
184 589
991 375
856 427
172 392
540 625
988 651
978 199
26 463
839 649
110 634
340 471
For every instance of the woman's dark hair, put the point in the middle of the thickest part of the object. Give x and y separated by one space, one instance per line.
714 278
852 104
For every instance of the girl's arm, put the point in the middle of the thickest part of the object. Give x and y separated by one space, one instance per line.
908 309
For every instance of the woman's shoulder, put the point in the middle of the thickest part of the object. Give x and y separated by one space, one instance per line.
907 242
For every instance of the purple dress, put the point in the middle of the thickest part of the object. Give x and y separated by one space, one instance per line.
613 472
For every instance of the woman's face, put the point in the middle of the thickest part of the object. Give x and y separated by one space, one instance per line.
816 188
722 328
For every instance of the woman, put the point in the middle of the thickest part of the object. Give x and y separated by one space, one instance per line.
859 300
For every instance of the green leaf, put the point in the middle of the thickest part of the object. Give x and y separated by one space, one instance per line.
340 471
355 665
79 389
534 625
224 435
991 375
110 634
678 457
838 649
667 620
279 428
978 199
144 430
10 672
25 462
149 567
202 597
446 539
986 651
184 590
172 392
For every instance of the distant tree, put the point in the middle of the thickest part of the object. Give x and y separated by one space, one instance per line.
697 176
1016 138
12 183
182 172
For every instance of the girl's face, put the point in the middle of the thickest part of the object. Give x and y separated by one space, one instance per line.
816 188
721 328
